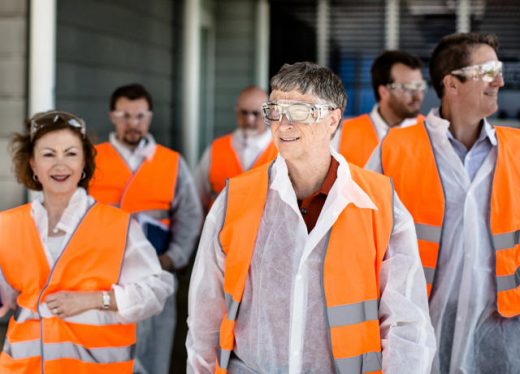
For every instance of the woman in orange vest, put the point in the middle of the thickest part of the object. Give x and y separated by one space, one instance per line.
77 273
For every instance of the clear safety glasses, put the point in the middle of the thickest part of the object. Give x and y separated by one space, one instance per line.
295 112
126 117
410 88
486 72
44 119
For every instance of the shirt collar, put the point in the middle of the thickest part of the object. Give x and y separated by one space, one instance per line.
344 190
78 204
145 148
381 125
442 125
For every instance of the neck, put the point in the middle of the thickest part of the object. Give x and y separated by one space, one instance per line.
307 176
55 206
464 128
390 118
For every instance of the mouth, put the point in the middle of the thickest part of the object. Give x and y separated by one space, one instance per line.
289 139
60 178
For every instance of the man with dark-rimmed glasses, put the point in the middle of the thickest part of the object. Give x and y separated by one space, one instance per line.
459 177
153 183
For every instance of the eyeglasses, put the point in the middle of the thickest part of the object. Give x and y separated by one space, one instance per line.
42 120
412 87
486 72
245 113
295 112
123 116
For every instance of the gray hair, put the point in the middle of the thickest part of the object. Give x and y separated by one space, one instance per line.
310 78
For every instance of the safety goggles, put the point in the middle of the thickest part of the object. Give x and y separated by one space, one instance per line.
411 87
45 119
123 116
295 112
486 72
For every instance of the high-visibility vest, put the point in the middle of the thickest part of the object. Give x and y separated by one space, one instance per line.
356 247
408 158
225 164
359 139
150 189
91 261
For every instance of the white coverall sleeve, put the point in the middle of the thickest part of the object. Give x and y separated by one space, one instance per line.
143 286
201 177
186 218
407 334
7 295
374 162
206 303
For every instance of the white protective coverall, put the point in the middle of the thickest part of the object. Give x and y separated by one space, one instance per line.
471 336
281 324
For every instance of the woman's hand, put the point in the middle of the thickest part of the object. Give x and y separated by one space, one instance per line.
66 303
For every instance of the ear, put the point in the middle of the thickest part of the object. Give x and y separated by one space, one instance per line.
450 83
335 118
31 163
383 91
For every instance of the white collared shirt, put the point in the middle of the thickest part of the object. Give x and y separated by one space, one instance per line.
144 150
143 286
281 323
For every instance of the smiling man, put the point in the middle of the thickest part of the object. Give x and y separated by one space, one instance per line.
460 178
152 183
308 264
398 87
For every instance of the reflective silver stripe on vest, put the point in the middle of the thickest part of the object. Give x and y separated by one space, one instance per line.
54 351
232 307
351 314
508 282
428 233
428 274
507 240
223 356
158 214
364 363
22 315
20 350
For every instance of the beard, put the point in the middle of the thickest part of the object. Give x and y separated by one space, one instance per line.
133 137
405 111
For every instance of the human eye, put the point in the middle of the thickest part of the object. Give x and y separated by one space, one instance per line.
299 112
272 111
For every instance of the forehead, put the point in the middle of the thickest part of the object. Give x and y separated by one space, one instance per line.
124 103
251 99
62 137
482 53
293 95
401 73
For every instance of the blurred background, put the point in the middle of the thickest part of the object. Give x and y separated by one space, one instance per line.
194 56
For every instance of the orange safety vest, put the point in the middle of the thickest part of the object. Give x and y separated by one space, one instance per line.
408 158
91 261
355 251
150 189
359 139
225 164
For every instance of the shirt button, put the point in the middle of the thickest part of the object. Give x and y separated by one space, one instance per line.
303 210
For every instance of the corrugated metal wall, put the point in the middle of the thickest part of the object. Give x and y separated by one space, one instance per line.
105 44
13 68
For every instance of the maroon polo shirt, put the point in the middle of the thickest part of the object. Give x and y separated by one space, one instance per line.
311 206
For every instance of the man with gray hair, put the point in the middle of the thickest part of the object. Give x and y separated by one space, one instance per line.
308 264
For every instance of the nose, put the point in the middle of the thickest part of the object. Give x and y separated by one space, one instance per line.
498 81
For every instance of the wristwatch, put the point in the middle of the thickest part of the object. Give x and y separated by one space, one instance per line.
106 300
